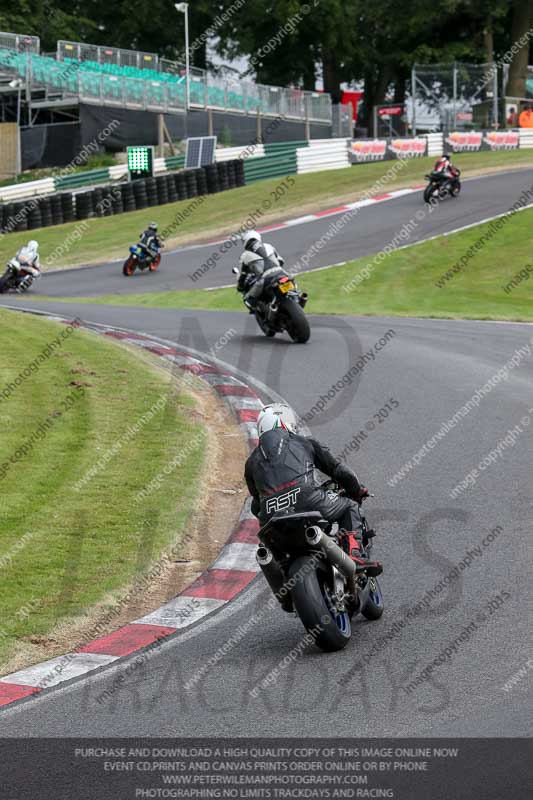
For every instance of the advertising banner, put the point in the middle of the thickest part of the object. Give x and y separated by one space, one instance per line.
468 141
408 148
364 150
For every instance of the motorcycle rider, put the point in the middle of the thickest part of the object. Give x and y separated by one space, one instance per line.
28 258
284 463
150 241
258 259
444 165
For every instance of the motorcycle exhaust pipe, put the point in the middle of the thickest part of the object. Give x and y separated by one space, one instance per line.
304 297
336 556
271 570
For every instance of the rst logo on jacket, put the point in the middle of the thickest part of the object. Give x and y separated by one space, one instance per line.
282 501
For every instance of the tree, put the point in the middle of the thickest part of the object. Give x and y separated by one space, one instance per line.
521 19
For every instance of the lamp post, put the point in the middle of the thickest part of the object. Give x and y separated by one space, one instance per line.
184 8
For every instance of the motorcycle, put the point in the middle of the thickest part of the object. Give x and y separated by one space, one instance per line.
310 571
281 306
17 276
440 186
140 258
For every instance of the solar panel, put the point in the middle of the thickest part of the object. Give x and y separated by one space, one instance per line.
200 151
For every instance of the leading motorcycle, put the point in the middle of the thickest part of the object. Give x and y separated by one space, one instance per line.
140 258
308 565
440 186
17 276
281 306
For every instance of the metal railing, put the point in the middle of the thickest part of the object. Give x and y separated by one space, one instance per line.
23 43
71 73
106 55
206 90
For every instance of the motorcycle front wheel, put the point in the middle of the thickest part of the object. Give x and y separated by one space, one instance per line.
129 267
312 599
265 327
373 607
297 324
155 263
429 191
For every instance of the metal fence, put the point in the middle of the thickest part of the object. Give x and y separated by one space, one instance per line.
454 95
106 55
23 43
224 93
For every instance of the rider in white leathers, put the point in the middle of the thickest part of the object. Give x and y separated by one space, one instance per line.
253 267
28 257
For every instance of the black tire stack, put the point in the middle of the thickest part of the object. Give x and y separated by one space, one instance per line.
162 190
128 197
190 180
21 214
107 201
171 189
67 206
45 204
211 174
151 191
56 210
114 199
181 185
139 192
232 178
118 204
84 205
201 181
239 172
34 214
223 175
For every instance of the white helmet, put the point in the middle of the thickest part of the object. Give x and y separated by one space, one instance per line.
33 245
276 415
250 236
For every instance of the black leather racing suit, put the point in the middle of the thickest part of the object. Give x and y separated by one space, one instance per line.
150 242
280 474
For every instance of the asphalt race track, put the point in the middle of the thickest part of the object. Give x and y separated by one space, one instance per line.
431 368
366 233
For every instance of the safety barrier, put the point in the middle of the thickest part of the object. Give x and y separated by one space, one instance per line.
109 200
259 162
435 143
323 154
526 137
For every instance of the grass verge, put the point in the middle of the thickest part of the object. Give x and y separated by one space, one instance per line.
408 282
103 239
65 546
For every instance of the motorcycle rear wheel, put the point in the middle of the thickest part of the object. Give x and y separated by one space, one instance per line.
331 631
129 267
456 189
4 284
297 324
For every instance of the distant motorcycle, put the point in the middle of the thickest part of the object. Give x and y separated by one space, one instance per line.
281 307
308 567
17 277
140 258
440 186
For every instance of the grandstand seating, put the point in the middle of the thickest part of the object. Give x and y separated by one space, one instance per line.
151 86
